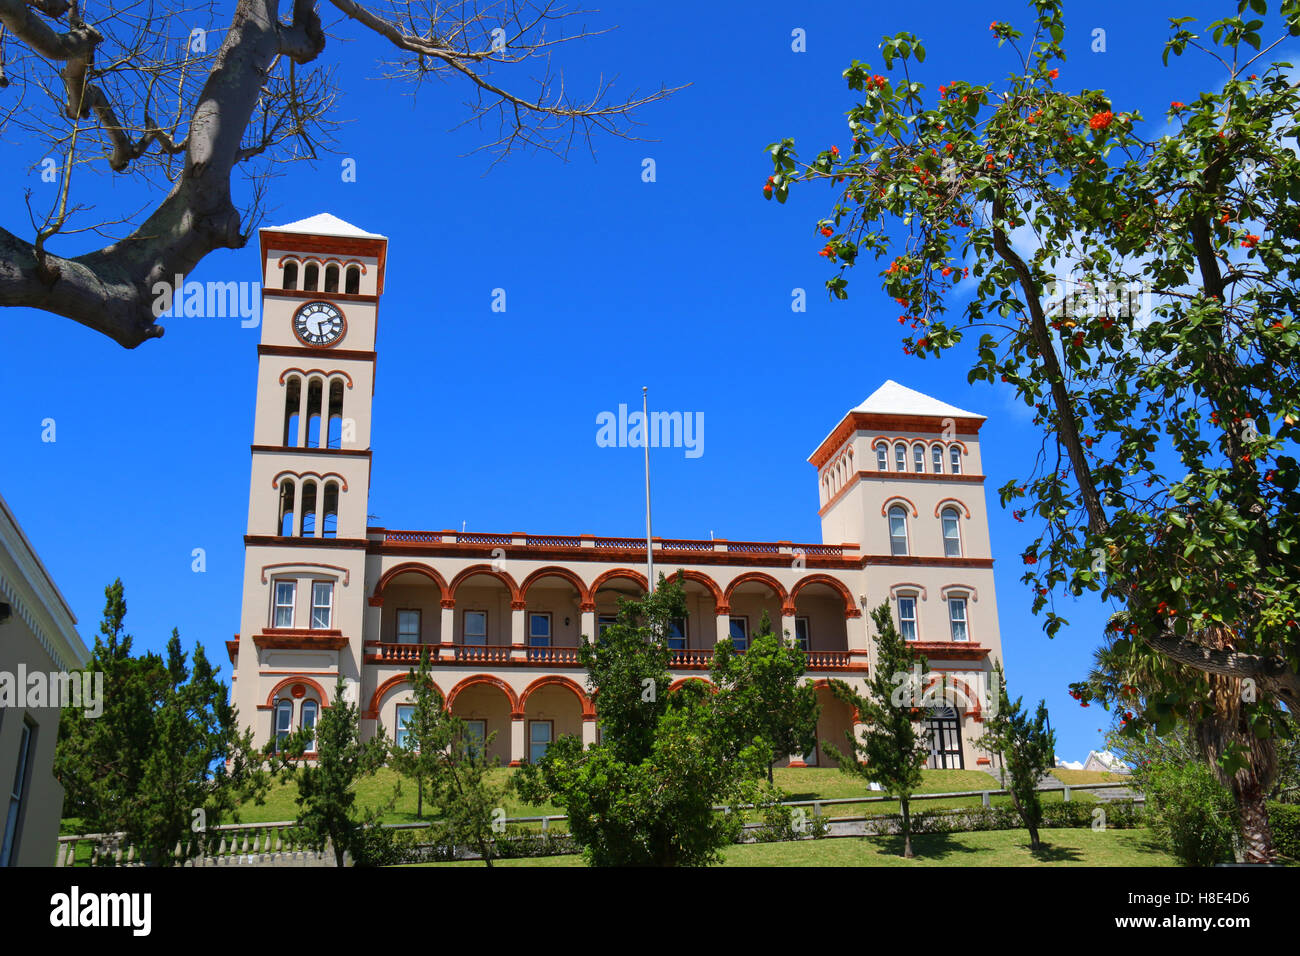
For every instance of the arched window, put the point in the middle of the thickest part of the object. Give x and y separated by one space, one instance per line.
898 530
283 720
315 388
352 283
936 459
900 457
882 456
310 277
292 403
951 533
918 458
286 523
310 710
332 277
308 523
334 433
330 519
290 275
955 456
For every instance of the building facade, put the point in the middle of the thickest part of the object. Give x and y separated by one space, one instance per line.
38 645
903 517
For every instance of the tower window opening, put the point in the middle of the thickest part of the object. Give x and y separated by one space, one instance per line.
310 277
308 524
290 275
332 278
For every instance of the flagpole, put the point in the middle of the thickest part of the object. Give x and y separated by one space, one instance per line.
649 549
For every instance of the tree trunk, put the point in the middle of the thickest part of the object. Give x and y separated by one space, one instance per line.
419 798
907 830
1255 830
770 778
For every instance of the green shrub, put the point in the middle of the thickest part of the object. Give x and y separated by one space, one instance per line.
781 823
1284 818
1190 811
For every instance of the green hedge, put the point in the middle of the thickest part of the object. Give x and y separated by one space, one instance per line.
1284 818
1122 815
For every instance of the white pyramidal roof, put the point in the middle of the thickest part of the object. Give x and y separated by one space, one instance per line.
894 399
323 224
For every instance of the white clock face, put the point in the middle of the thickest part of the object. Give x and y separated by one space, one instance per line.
319 323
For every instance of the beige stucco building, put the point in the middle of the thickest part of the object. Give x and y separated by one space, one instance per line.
901 497
38 645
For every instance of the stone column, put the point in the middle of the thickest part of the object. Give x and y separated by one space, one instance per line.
517 740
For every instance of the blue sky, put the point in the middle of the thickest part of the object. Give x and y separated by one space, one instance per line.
486 418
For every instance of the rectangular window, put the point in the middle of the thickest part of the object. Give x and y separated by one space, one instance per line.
897 531
740 633
17 794
907 618
309 721
955 452
801 634
475 629
936 459
404 712
539 629
604 621
882 458
957 614
951 534
322 604
408 627
539 738
283 721
475 736
918 458
900 457
677 634
284 601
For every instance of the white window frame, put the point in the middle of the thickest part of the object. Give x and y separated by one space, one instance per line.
545 639
936 459
479 738
955 539
18 792
806 643
400 730
918 459
956 601
315 718
882 456
550 737
328 608
894 539
419 625
904 620
292 585
900 456
684 637
744 627
954 457
465 634
283 707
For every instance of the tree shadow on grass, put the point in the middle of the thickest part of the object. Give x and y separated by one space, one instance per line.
1046 853
929 846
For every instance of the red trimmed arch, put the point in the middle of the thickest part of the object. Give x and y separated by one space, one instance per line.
823 682
613 573
884 508
951 501
851 609
372 713
487 569
308 372
699 577
320 691
410 567
558 680
972 705
760 577
555 571
516 711
681 681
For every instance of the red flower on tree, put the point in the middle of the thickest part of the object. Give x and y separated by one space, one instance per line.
1101 120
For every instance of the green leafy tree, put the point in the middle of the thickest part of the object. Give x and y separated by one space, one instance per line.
890 751
763 693
468 804
426 735
1028 748
327 790
645 795
165 760
1167 479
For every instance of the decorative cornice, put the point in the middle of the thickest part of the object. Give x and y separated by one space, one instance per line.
294 351
300 639
912 426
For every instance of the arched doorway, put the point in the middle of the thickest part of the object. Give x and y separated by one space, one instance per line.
943 727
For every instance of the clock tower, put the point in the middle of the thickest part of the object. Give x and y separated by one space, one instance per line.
305 547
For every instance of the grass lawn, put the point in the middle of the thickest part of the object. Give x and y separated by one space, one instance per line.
1067 847
1079 777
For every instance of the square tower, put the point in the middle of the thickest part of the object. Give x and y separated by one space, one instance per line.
305 547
